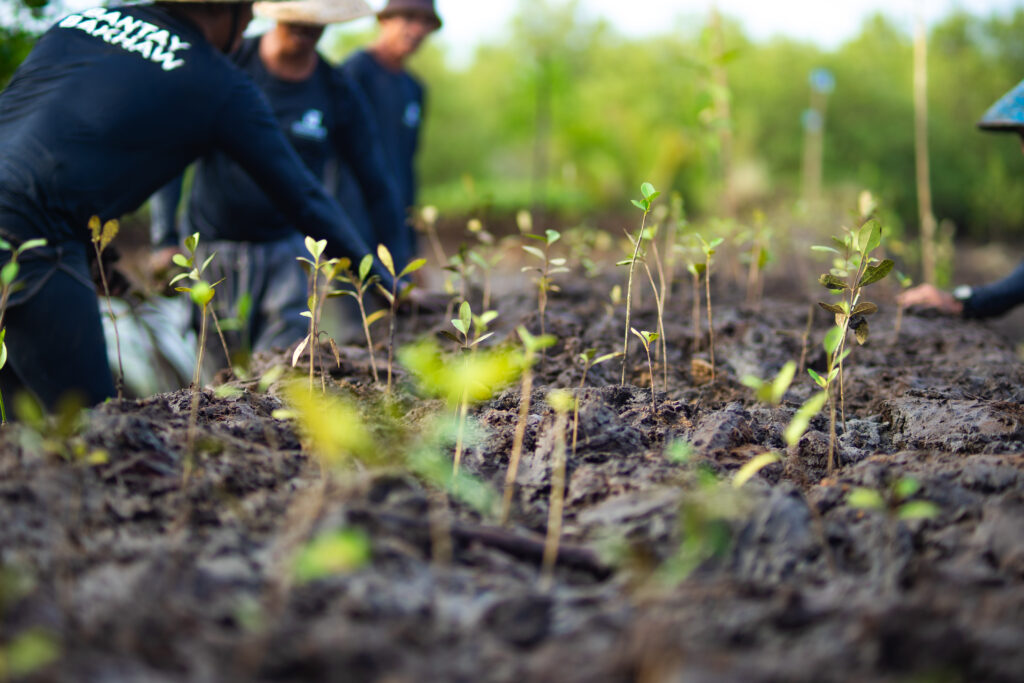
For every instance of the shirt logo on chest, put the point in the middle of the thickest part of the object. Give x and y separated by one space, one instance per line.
411 118
310 126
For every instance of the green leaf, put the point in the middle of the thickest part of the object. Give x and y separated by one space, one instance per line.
365 266
715 242
207 261
752 467
413 267
3 352
864 308
647 190
782 381
605 357
486 318
8 273
191 242
465 314
384 256
534 251
28 653
375 316
306 314
870 236
866 499
335 552
906 487
918 509
830 250
818 379
832 282
298 350
873 274
797 427
177 278
639 205
31 244
833 308
181 261
482 338
552 236
5 245
832 339
202 293
460 326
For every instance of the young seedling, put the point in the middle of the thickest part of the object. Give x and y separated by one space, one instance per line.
201 292
8 285
648 338
649 236
561 401
546 270
394 296
709 251
758 256
772 393
102 235
644 204
361 281
853 269
321 273
588 359
532 346
473 329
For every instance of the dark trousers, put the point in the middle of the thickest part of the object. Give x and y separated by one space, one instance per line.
55 343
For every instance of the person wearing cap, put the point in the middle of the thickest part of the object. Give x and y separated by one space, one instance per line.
324 117
397 99
997 298
110 105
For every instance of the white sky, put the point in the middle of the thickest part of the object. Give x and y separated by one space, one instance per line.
469 22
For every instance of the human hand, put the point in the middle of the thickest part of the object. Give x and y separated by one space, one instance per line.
930 296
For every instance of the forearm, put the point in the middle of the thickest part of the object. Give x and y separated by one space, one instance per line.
997 298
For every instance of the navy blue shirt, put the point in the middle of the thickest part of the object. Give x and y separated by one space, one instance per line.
323 117
996 298
112 104
397 103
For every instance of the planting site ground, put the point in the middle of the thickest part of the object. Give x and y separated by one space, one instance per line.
130 574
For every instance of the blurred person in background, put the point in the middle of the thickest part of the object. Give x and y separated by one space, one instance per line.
397 100
324 117
994 299
111 104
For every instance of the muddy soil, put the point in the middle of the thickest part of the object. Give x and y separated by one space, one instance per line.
140 573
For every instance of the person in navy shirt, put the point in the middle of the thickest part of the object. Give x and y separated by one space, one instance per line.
997 298
397 99
324 117
110 105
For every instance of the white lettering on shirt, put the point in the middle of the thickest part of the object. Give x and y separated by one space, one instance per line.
136 36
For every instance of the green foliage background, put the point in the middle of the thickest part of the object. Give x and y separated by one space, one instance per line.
624 110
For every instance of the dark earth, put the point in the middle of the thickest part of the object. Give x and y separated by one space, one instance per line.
135 573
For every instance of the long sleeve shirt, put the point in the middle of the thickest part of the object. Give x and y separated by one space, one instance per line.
322 117
996 298
111 104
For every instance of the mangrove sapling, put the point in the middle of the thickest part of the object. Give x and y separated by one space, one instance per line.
395 296
828 381
853 269
321 273
532 345
709 250
588 359
361 281
772 392
644 204
546 270
648 338
650 235
8 285
560 400
473 329
102 235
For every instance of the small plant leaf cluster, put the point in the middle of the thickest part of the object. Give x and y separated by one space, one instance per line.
546 269
648 195
395 296
9 285
896 500
102 235
853 268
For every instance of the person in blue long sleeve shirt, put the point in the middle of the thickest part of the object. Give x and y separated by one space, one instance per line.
324 117
997 298
397 99
110 105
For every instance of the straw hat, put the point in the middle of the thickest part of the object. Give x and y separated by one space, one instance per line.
315 12
1007 114
402 6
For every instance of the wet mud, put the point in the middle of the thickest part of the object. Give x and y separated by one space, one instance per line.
151 564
